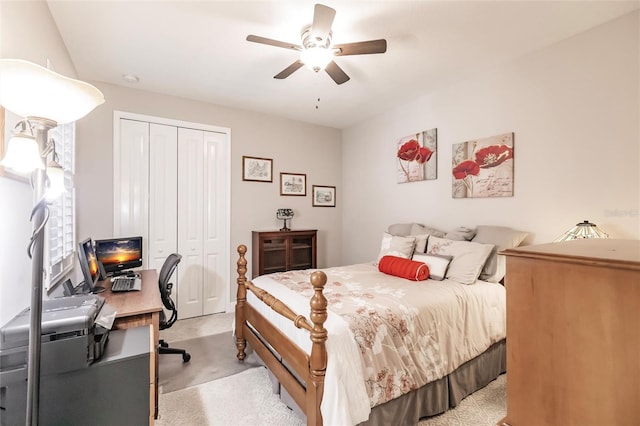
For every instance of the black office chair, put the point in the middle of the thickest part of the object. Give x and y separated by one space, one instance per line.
167 270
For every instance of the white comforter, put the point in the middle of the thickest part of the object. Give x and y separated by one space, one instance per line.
464 321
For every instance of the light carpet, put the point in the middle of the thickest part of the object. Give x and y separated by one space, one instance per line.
246 399
242 399
212 357
485 407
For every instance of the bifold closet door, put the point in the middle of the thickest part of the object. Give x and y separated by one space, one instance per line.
163 193
200 222
131 181
171 186
216 250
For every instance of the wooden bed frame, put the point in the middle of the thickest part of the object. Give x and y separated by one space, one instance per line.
302 375
310 368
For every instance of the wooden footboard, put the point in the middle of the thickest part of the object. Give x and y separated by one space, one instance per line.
310 368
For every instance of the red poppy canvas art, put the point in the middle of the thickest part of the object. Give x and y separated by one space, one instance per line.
416 157
483 167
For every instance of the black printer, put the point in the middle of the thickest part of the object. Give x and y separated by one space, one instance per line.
71 339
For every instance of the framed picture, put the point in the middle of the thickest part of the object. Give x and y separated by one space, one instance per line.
323 196
293 184
257 169
417 156
483 168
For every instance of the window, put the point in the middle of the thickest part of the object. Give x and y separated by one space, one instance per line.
60 237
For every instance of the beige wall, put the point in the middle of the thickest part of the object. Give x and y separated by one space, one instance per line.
574 109
294 147
27 32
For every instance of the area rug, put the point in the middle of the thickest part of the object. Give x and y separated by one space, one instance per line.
242 399
212 357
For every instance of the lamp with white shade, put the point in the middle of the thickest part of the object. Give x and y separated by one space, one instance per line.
582 230
45 99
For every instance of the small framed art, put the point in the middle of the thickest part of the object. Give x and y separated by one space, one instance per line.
293 184
257 169
323 196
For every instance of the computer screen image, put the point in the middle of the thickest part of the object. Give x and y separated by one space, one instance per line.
118 255
89 266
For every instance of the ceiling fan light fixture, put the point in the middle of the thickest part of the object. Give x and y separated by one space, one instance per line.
316 58
317 51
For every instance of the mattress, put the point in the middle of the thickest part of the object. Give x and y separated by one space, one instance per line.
387 335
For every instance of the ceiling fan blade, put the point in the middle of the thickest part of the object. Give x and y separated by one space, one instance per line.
361 47
322 20
336 73
272 42
289 70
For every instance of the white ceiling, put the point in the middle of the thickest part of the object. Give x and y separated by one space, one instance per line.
198 50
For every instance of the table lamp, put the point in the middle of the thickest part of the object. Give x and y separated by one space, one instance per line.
284 214
45 99
582 230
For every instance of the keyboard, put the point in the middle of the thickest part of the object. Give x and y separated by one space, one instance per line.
126 284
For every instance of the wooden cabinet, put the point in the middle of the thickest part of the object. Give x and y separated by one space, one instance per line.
279 251
573 333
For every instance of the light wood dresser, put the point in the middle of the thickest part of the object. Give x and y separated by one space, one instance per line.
573 334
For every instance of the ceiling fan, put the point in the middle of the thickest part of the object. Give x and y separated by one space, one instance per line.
317 52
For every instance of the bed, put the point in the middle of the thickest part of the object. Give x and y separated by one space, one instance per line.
353 345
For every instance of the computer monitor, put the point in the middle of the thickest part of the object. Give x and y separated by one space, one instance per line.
89 266
118 255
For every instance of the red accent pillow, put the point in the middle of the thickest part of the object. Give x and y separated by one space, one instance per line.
403 268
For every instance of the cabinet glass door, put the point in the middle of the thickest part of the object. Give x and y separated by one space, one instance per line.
274 255
301 252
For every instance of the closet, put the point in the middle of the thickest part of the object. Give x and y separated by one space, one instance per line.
171 185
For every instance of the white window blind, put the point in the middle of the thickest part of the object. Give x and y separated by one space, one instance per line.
60 230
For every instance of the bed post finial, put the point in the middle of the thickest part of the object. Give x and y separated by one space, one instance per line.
318 359
241 298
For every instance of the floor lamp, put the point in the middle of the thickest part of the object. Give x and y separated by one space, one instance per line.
45 99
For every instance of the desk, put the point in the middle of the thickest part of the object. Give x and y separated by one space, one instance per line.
114 390
137 308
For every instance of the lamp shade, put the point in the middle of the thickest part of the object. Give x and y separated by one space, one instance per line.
316 58
23 155
582 230
55 174
29 90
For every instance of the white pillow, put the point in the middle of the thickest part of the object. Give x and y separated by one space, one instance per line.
421 243
437 264
502 238
393 245
468 257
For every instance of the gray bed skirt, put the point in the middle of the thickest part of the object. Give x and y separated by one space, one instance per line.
439 396
433 398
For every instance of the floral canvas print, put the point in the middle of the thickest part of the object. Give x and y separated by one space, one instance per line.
417 157
483 167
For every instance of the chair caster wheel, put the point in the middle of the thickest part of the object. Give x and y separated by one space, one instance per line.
186 358
164 344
